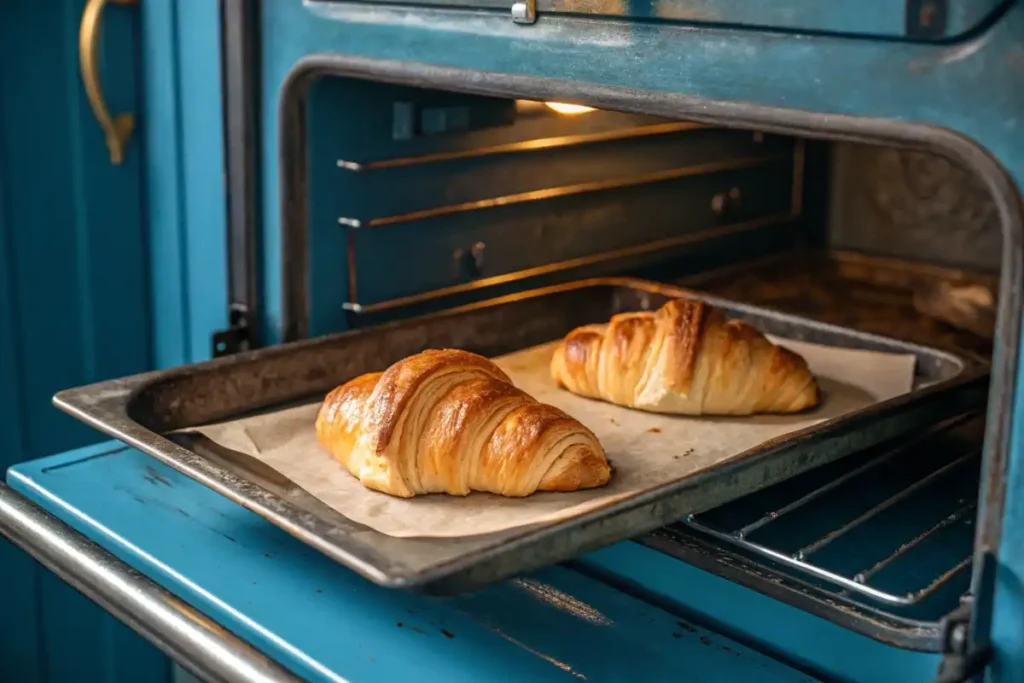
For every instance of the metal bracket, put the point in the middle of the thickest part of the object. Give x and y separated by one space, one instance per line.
524 11
239 36
237 337
962 659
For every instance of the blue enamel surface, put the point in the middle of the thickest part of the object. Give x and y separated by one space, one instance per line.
327 624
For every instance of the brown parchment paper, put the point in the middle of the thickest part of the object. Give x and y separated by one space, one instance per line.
645 449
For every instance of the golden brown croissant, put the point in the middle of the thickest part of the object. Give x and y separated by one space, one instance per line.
684 359
451 422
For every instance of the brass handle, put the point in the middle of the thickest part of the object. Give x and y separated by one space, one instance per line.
116 129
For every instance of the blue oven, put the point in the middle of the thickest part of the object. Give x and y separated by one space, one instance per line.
215 179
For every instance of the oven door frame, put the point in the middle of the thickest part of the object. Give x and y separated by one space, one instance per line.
293 165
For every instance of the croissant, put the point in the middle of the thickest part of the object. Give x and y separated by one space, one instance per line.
451 422
685 359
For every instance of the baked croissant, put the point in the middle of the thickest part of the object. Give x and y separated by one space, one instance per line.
451 422
684 359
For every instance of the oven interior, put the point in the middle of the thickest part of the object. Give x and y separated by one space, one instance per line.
421 200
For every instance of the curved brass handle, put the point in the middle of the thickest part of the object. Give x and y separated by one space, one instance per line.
116 129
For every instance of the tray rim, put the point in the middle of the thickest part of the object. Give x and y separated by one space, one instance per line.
106 406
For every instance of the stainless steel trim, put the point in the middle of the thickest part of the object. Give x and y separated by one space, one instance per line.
186 635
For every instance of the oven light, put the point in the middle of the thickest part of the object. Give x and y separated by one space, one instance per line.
568 109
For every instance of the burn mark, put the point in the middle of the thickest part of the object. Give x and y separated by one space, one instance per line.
686 627
447 633
154 477
704 640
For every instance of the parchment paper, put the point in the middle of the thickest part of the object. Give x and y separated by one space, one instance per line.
646 450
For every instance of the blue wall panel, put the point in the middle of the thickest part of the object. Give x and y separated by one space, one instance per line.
185 190
19 628
75 229
74 305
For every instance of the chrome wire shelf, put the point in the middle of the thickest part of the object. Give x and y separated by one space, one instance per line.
352 225
930 492
565 191
520 146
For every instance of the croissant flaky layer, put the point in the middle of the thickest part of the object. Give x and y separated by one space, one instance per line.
452 422
685 359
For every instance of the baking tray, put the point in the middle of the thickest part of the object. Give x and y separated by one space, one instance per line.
143 409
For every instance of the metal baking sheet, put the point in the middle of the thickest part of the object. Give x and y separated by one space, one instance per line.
142 410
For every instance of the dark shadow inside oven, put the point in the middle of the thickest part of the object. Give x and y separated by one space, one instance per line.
400 200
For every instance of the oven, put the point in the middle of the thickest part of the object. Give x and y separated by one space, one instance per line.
390 165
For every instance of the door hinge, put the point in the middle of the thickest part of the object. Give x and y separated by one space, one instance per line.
962 659
237 337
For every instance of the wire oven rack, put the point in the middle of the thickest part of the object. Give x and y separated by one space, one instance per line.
881 542
354 306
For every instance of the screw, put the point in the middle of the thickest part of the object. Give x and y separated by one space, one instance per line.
958 638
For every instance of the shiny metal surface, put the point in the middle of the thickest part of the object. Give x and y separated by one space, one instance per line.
197 643
141 410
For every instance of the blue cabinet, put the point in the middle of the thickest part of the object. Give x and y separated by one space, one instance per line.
74 301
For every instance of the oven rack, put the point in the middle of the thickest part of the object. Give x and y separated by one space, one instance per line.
891 540
605 257
720 205
520 146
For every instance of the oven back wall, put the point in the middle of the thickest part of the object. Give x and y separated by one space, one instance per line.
433 198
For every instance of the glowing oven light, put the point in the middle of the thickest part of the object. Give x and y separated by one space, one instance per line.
568 109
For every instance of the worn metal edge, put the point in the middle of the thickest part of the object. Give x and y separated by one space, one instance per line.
508 553
181 632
